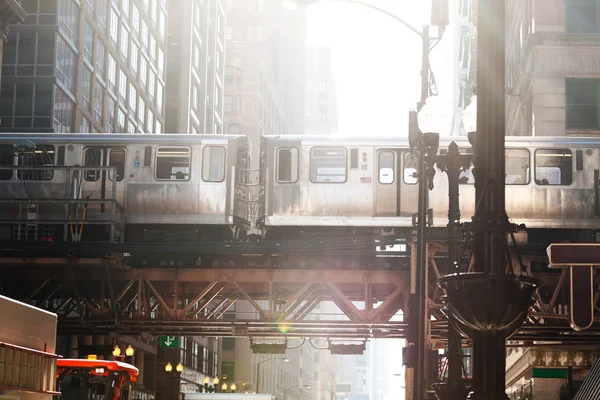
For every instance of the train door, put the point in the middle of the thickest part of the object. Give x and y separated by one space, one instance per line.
387 187
98 184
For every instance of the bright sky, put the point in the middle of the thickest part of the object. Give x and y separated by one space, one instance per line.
377 63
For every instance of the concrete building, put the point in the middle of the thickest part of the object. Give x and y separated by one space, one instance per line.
321 97
10 13
195 66
85 66
264 70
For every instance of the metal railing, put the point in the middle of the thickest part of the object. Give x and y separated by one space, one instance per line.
71 200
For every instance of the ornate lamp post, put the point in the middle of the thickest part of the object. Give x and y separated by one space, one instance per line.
489 305
175 377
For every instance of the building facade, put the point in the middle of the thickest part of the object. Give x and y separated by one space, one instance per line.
264 70
10 13
195 66
85 66
321 98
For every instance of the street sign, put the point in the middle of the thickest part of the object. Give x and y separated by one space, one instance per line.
581 258
169 342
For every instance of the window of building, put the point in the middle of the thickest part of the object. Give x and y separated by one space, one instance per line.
101 14
98 102
112 73
238 104
41 156
143 71
172 163
228 345
583 105
328 165
110 115
260 33
116 158
135 18
151 84
42 117
149 120
159 97
63 111
122 86
144 33
213 164
125 7
100 58
152 47
92 158
121 120
132 98
114 27
158 127
141 111
84 125
553 167
581 16
410 169
68 19
251 34
287 165
86 87
228 75
227 103
133 57
131 127
88 41
65 65
124 41
160 63
162 24
7 159
386 167
517 166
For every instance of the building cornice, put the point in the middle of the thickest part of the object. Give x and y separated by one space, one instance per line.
10 13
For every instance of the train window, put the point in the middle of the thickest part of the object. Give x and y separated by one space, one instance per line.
553 167
410 169
386 167
517 167
7 159
93 158
287 165
172 163
213 164
328 165
42 155
117 159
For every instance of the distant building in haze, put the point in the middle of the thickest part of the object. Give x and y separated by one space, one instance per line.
321 96
195 66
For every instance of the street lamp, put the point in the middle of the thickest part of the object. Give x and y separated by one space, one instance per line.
292 387
439 13
258 364
175 377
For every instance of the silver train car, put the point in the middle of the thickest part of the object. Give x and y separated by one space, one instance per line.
74 187
154 187
335 184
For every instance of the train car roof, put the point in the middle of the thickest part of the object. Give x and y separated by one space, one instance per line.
512 141
106 138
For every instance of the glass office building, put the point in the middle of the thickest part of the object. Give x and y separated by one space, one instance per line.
85 66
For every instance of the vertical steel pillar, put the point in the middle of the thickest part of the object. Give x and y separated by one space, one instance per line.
488 348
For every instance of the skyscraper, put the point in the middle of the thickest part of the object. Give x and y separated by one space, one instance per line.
264 69
85 66
195 65
10 12
321 97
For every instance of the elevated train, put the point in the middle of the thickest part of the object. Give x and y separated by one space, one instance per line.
200 187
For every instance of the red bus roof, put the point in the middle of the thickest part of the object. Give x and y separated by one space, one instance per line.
110 365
